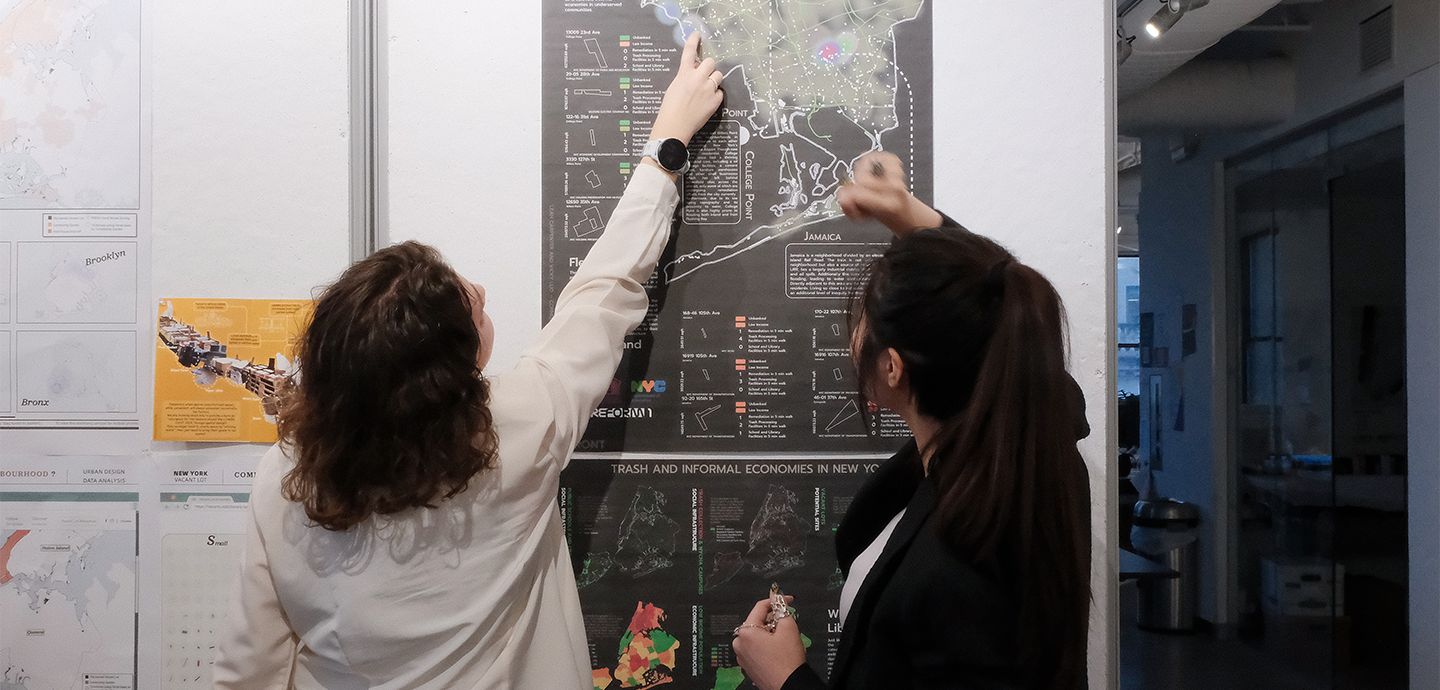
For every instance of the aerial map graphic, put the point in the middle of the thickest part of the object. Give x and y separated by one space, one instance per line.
647 653
76 371
70 104
645 541
77 282
745 346
67 596
776 541
796 59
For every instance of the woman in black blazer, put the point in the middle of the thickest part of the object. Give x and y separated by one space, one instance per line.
967 554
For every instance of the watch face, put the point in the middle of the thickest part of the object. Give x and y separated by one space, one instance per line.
672 154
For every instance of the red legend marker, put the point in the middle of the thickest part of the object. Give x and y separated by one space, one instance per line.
739 365
739 407
739 322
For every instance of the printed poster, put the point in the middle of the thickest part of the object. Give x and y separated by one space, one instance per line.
219 364
671 554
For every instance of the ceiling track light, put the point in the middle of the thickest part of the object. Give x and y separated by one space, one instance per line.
1170 12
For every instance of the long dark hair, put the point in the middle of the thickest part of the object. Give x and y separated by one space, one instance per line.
390 411
982 338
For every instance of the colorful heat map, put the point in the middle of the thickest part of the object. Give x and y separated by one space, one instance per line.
836 51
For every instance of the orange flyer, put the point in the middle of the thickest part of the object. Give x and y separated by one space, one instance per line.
218 363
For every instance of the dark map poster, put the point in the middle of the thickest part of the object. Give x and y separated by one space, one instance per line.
671 555
745 348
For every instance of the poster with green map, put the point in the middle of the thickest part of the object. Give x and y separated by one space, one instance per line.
670 555
745 352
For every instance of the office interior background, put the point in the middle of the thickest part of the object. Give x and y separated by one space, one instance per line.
1277 217
1241 213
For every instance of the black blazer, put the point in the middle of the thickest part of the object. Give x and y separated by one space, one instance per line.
923 618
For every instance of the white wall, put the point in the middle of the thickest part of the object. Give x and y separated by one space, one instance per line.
1024 153
1422 294
464 153
251 157
1024 150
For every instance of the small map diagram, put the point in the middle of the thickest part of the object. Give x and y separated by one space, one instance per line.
647 541
70 104
647 653
75 371
776 540
68 602
77 282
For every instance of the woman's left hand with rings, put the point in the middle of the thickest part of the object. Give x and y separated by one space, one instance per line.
768 658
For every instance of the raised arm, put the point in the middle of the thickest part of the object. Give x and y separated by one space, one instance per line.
577 352
877 190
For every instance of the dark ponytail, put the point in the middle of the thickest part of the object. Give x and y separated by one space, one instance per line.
982 337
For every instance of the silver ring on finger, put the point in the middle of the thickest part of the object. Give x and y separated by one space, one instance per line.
713 80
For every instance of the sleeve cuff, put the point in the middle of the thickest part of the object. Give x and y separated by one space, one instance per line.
803 678
657 185
948 222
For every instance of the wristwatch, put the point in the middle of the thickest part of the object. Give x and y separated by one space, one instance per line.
671 154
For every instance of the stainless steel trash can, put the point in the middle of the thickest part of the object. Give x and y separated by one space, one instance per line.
1165 532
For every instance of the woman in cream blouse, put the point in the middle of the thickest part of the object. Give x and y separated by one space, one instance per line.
405 532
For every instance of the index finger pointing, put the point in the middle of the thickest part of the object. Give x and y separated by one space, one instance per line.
692 48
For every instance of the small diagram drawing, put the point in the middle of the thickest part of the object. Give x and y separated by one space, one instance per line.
79 282
705 373
592 137
835 328
76 371
592 46
850 411
590 223
776 541
703 334
591 92
194 580
593 179
647 541
702 414
839 375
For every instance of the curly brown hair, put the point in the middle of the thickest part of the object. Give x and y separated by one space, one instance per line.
390 410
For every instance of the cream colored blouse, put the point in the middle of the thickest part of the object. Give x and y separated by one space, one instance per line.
478 593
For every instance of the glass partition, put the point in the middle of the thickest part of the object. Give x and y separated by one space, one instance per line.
1317 236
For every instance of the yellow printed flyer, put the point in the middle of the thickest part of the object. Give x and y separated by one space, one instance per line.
218 363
